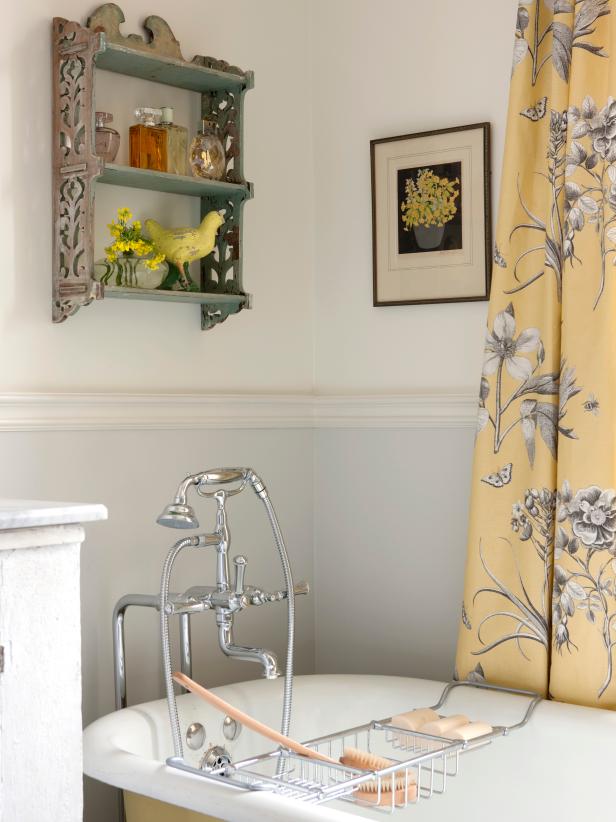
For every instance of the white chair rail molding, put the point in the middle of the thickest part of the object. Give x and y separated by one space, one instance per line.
113 411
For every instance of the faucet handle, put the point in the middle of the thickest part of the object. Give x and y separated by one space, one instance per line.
298 589
258 597
240 563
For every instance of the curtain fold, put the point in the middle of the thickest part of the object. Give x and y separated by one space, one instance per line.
539 606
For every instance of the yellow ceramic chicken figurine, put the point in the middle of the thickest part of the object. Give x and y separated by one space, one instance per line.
183 245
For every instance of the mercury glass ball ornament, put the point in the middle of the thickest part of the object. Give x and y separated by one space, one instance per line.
207 153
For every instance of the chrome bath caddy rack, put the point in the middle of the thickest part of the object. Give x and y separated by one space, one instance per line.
421 763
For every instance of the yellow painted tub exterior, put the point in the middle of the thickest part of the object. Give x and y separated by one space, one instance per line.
144 809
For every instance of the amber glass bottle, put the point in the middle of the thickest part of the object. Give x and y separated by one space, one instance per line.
148 142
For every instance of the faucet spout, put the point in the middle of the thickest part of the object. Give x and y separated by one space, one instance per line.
266 658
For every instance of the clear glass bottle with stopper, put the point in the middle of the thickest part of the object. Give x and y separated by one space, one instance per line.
107 139
207 153
177 143
148 141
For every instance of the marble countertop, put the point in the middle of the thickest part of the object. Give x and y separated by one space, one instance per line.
32 513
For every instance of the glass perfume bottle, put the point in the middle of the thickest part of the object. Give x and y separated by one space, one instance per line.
177 142
107 139
148 141
207 153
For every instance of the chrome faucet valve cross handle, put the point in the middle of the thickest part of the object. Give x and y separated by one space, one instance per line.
240 563
259 597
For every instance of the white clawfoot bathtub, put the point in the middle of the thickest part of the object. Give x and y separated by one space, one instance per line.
560 766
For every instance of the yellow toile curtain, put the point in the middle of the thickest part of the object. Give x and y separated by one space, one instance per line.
539 606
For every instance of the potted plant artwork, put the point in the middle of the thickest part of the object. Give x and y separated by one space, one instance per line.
431 227
429 205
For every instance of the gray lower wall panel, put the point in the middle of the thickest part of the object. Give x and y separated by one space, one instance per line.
391 510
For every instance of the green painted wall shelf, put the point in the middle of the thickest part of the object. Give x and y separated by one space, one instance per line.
77 52
187 297
171 183
171 72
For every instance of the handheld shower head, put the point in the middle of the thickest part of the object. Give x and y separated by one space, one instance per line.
178 516
181 515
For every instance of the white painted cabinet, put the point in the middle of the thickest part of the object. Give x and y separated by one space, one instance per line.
40 680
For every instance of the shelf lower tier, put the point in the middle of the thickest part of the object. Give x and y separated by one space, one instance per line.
188 297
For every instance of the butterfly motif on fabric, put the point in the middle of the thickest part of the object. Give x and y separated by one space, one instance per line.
499 478
592 405
536 112
500 261
465 620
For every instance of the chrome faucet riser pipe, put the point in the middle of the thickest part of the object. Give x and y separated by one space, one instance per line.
119 650
222 549
185 644
119 656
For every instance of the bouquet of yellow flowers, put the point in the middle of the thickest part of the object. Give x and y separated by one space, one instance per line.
128 240
430 200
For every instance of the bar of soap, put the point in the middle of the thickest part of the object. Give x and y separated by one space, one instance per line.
470 731
443 726
413 720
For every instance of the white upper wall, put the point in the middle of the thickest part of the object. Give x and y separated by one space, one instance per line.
383 69
330 75
121 345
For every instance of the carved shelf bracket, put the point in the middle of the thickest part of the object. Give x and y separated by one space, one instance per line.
75 166
221 271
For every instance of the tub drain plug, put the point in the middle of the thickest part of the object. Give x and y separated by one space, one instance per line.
214 758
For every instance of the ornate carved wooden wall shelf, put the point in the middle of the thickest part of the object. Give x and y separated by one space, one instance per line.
77 52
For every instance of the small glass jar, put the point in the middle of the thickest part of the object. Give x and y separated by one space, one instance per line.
207 153
130 271
107 139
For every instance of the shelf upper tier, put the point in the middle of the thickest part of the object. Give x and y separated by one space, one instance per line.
171 183
171 72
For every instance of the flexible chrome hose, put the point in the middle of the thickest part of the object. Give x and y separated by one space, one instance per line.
287 701
174 719
288 578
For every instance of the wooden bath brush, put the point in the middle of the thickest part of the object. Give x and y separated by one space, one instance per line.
405 782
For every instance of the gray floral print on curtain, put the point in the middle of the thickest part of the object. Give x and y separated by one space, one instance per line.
534 44
503 350
586 537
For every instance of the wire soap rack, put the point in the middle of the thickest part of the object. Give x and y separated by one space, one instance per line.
421 763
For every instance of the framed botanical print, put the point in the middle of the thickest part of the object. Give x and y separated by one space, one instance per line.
431 221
